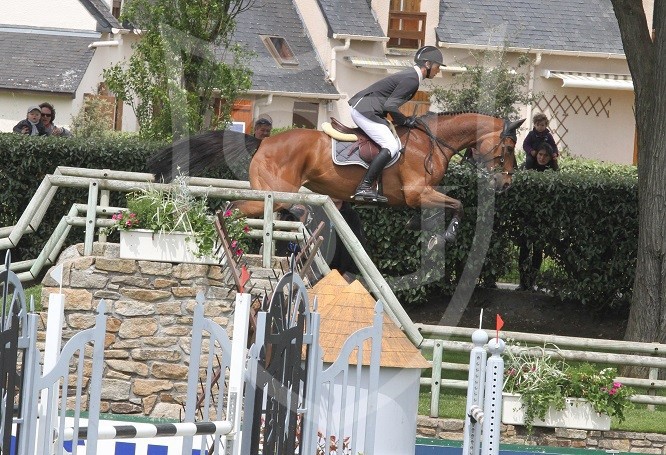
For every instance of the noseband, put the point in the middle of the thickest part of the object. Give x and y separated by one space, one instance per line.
480 163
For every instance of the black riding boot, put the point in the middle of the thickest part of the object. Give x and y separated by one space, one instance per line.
365 189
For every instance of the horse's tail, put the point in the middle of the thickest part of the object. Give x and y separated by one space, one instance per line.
196 154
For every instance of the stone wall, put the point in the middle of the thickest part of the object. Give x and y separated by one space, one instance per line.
150 309
612 441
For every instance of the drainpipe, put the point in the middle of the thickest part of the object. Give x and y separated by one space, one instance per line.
334 51
530 86
267 102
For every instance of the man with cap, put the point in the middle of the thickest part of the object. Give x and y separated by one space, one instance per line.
31 125
370 107
263 126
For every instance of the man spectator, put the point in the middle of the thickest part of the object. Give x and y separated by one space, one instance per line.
263 126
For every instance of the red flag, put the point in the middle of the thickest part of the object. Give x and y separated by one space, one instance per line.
244 277
499 323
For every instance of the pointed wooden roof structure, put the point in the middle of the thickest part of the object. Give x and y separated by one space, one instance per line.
345 308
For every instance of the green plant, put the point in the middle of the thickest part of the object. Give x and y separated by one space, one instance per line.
175 209
544 380
94 120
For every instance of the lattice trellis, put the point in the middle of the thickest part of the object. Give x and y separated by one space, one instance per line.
558 109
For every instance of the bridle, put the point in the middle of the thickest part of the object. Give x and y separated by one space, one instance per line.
479 165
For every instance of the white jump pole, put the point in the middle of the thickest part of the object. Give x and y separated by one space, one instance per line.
55 318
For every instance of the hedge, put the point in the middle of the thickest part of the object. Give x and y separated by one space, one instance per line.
586 215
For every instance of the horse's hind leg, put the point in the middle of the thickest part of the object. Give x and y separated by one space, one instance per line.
429 198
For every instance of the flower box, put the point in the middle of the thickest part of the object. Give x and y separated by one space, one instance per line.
577 413
146 245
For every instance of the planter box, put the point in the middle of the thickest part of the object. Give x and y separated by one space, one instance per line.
146 245
577 413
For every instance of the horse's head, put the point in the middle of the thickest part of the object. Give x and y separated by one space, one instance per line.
496 153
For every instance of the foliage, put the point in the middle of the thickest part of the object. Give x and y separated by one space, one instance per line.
28 159
491 85
176 209
543 380
181 64
94 120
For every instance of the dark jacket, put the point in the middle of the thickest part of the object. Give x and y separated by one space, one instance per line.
535 139
19 126
386 96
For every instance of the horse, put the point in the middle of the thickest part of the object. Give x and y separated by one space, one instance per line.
301 157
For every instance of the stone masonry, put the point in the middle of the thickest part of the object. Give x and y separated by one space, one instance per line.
610 441
150 309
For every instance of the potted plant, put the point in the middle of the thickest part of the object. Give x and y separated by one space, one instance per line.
541 389
172 225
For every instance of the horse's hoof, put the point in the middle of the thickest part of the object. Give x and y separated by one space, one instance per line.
436 242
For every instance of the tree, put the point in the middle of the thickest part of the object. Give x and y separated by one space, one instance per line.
490 86
183 61
647 63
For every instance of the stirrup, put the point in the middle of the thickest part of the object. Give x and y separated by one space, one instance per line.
369 196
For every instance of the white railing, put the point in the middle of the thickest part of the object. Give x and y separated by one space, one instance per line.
614 352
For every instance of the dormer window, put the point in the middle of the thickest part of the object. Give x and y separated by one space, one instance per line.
280 50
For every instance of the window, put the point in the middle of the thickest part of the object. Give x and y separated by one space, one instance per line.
280 50
305 115
115 9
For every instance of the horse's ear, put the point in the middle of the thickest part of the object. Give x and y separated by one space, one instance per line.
513 126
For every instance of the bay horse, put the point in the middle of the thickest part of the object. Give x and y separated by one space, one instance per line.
302 157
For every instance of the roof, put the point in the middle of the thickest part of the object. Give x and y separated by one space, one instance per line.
568 25
280 18
350 17
345 308
54 62
100 11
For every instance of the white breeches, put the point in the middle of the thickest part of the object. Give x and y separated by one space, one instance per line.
378 132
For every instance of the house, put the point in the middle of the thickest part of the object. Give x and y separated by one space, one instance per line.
311 56
578 63
55 52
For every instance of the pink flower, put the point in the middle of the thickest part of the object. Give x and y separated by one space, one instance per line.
227 213
246 228
239 251
617 385
612 391
234 243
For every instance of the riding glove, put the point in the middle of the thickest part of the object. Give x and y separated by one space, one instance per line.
410 122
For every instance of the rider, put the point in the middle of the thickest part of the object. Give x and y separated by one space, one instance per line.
369 108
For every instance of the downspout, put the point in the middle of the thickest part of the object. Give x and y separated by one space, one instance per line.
267 102
334 51
530 86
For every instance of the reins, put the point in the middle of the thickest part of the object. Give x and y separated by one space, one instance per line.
427 163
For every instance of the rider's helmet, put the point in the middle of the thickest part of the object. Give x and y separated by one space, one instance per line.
429 54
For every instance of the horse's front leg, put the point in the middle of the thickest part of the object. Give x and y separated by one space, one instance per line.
430 198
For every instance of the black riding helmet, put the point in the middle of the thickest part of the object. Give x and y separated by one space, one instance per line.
429 54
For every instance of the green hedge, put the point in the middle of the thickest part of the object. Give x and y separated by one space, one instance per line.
26 160
586 215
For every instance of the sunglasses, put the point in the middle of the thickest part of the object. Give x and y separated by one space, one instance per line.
44 114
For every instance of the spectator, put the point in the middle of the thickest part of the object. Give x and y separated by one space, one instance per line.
31 125
539 134
48 116
263 126
530 251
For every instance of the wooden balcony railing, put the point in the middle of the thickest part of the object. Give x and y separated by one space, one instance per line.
406 29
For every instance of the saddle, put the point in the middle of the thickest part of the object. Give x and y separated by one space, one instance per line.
367 148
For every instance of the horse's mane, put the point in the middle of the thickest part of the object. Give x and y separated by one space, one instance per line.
430 114
208 150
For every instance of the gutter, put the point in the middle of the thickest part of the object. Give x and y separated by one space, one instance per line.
344 47
309 95
608 55
107 43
